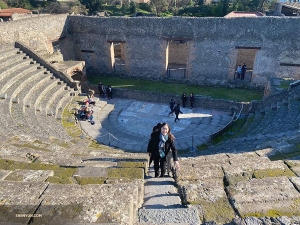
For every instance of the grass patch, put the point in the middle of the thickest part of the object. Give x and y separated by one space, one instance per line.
243 95
62 175
131 173
202 147
90 180
285 83
232 132
273 173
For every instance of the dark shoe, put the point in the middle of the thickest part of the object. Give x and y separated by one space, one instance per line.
162 175
156 174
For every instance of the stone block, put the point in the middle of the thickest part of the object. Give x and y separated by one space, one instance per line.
245 166
15 100
29 175
4 174
210 195
3 96
270 196
117 203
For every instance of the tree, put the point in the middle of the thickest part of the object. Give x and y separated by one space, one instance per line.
132 7
92 5
159 6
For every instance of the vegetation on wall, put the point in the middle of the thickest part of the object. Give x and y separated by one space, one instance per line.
194 8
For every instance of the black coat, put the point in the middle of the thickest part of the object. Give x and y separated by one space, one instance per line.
153 146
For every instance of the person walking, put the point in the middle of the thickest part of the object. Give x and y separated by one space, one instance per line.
192 99
160 144
172 104
183 98
109 92
244 69
177 111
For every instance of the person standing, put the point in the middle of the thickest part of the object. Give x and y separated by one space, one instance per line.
101 89
192 99
109 92
160 144
177 111
239 71
244 69
183 98
172 104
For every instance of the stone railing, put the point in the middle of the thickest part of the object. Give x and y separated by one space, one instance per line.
43 62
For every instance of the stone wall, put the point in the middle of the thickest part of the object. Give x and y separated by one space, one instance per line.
37 33
213 45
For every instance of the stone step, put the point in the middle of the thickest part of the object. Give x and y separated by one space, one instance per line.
15 65
24 84
16 76
169 216
8 59
7 53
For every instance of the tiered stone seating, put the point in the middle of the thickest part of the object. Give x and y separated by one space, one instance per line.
30 186
246 183
31 96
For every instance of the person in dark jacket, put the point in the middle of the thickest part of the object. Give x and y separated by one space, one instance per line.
160 144
172 104
156 128
109 92
183 98
192 99
177 111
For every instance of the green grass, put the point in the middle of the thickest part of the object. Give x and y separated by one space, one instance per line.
242 95
232 132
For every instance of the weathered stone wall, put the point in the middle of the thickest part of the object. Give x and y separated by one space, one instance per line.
212 53
37 33
211 48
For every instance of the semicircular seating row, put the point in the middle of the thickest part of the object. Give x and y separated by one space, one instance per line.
32 99
277 120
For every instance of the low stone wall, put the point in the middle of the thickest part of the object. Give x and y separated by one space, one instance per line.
200 101
48 66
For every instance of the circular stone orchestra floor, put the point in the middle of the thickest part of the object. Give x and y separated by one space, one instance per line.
140 117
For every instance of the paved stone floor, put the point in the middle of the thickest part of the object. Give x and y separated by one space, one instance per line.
137 118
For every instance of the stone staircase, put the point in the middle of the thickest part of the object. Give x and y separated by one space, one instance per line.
162 203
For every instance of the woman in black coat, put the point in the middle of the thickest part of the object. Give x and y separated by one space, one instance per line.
160 144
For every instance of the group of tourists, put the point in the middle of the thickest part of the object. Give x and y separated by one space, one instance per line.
86 110
105 91
241 71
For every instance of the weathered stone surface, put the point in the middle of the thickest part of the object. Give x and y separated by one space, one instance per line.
201 168
23 190
264 197
295 166
4 174
89 203
296 182
30 175
210 195
247 165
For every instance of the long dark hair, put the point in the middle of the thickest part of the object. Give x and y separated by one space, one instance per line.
171 136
